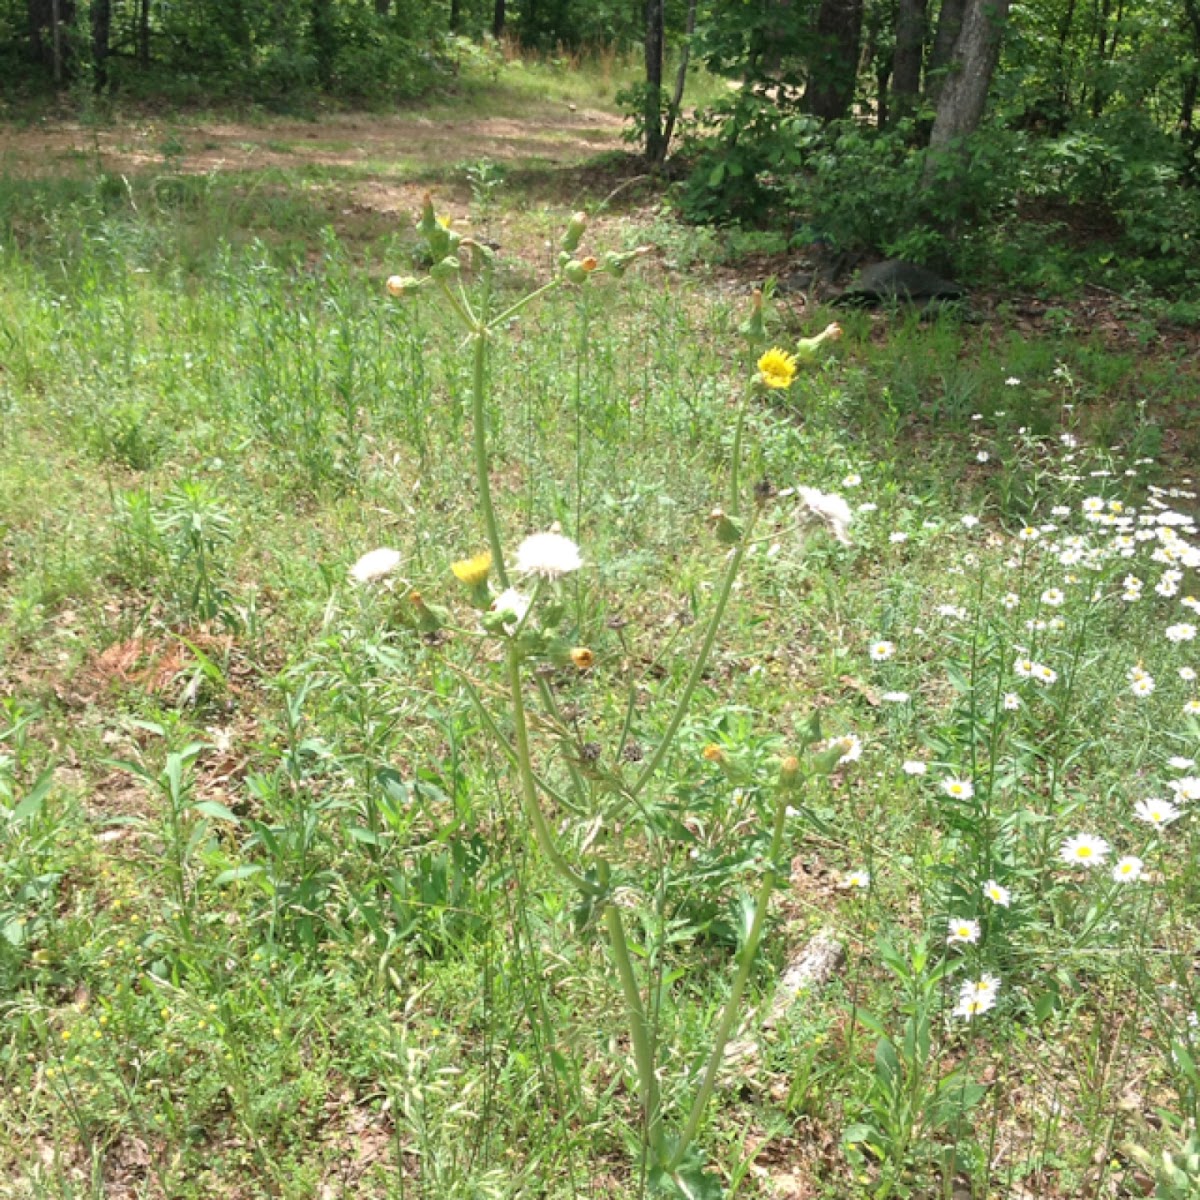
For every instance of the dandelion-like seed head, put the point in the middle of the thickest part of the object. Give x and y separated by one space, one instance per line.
829 508
777 369
548 556
375 565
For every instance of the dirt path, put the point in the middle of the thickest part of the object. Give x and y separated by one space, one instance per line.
552 134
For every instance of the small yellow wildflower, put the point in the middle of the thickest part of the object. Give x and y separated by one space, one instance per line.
582 657
777 369
713 753
473 571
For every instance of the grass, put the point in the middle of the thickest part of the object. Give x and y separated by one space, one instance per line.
271 919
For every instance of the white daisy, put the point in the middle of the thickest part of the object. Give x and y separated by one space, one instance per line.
1179 763
972 1006
998 895
1012 701
1180 633
895 697
958 789
850 745
1053 597
881 651
1187 674
1155 812
1142 686
1187 788
857 879
1044 674
915 767
1128 869
962 932
1084 850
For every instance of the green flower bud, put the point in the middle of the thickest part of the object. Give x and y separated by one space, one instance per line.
575 272
574 234
447 269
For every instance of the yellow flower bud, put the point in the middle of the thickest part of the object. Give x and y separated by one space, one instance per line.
582 657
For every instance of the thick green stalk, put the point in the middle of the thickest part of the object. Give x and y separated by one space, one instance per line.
729 1016
533 809
735 481
639 1029
710 637
479 419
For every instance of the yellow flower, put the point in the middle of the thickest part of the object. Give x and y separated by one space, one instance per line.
713 753
582 657
473 571
776 368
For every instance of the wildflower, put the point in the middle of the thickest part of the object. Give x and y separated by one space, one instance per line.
998 895
548 555
1011 600
831 509
582 657
968 521
1179 763
1053 597
1187 674
972 1003
915 767
1187 788
881 651
513 606
958 789
1191 708
1180 633
473 571
850 745
1012 701
982 456
713 753
1012 381
857 879
951 612
1024 668
851 481
1084 850
897 538
375 565
1029 534
962 932
777 369
1156 813
1060 510
1128 869
1093 504
895 697
1044 675
1142 686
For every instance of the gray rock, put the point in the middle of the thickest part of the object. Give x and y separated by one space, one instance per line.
895 280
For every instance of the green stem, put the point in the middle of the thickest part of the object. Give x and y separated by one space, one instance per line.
533 810
735 487
639 1029
512 310
479 419
698 667
725 1027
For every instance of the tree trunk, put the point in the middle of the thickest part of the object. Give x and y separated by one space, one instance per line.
906 60
680 78
830 90
965 91
383 8
499 16
455 15
143 42
323 37
47 23
101 29
652 110
945 38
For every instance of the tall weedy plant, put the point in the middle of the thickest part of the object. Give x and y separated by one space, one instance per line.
526 615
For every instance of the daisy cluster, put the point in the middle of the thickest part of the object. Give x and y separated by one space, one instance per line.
1092 567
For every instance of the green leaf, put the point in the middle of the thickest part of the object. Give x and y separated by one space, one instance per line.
716 175
234 874
216 810
31 805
